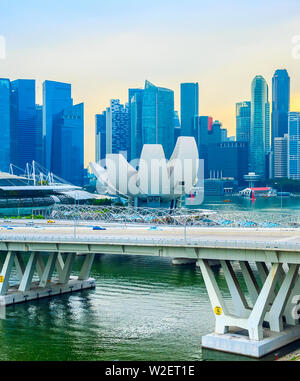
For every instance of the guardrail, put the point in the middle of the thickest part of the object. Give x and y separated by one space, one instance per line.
241 244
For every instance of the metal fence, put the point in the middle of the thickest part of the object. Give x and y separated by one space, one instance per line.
181 216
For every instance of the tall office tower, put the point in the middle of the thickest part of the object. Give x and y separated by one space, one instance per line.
228 159
189 101
177 126
117 128
5 121
39 134
68 144
243 121
135 122
100 120
280 157
207 133
224 137
294 146
24 124
260 126
56 98
280 104
135 101
158 117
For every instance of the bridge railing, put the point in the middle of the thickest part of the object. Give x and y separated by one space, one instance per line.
62 238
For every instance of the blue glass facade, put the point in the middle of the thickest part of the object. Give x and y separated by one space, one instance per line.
5 124
158 117
280 104
135 115
243 121
135 107
23 127
189 101
117 128
68 136
100 136
56 98
38 134
260 126
177 126
294 145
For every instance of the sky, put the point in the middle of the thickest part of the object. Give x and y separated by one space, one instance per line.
105 47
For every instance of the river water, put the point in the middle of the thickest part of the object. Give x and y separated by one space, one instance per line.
143 308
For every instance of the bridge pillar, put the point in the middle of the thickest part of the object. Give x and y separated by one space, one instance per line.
242 331
44 266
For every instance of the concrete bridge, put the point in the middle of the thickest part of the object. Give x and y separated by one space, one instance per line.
253 326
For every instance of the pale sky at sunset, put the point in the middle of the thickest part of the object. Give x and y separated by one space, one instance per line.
104 47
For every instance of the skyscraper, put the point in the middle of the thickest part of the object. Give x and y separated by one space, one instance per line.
189 100
24 122
243 121
5 121
280 157
68 144
135 122
280 104
260 126
63 132
56 98
177 126
39 149
158 117
135 107
294 145
117 128
100 120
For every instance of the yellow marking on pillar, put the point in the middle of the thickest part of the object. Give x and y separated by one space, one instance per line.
218 311
1 278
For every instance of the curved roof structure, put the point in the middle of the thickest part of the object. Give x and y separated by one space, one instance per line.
155 176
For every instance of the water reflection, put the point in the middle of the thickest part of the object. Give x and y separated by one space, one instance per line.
142 309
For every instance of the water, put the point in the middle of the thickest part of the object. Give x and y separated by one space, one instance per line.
267 205
143 308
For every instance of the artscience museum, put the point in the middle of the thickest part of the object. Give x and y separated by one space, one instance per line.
152 180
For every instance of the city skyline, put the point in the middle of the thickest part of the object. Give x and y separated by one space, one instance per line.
104 49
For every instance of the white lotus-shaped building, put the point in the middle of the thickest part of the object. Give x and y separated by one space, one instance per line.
156 180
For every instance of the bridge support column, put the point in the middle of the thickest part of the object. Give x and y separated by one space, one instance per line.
6 271
86 267
48 285
242 332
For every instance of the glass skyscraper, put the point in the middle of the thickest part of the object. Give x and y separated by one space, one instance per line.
68 144
177 126
5 123
135 107
56 98
24 122
63 132
243 121
100 120
280 104
158 117
294 145
260 126
135 122
117 128
189 100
